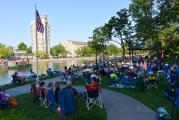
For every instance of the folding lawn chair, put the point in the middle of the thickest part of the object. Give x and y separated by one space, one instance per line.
35 92
126 81
44 101
51 100
93 96
152 81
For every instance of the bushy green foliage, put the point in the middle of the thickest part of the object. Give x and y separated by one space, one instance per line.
86 50
5 51
58 50
42 54
29 49
22 46
150 22
112 50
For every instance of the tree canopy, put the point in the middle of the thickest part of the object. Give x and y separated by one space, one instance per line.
22 46
5 51
86 50
42 55
147 22
29 49
112 49
58 50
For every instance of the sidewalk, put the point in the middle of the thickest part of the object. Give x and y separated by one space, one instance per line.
117 105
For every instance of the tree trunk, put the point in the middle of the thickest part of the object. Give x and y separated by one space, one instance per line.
123 51
96 59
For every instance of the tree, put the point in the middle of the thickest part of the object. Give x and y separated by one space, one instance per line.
42 54
5 51
156 23
86 50
98 42
143 14
167 13
121 28
112 49
29 49
167 40
58 50
22 46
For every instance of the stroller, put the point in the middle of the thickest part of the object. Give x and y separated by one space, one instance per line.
162 114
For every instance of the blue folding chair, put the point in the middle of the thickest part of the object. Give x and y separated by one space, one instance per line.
111 81
51 96
126 81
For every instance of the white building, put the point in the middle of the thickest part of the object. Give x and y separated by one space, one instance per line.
22 54
72 46
42 38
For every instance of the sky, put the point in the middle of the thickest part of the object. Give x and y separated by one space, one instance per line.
68 19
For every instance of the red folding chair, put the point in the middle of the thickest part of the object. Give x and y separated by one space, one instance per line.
93 96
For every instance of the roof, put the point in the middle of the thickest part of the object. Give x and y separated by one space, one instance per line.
19 51
77 42
142 47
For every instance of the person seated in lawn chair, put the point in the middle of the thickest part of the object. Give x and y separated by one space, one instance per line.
172 78
93 94
43 95
87 77
15 78
6 100
95 76
176 81
35 91
57 90
51 96
149 69
132 74
68 99
151 80
65 74
49 72
140 83
113 78
3 99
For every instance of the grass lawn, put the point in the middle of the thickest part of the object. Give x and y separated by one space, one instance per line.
152 98
27 110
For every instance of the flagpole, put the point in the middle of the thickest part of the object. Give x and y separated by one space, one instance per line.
37 78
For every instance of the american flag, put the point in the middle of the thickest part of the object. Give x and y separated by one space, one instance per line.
39 25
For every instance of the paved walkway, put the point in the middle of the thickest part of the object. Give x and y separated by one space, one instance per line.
117 105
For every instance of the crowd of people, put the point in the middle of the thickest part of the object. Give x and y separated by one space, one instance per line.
61 96
55 96
140 74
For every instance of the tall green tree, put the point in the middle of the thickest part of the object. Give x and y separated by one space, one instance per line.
22 46
167 13
98 42
58 50
142 13
121 28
